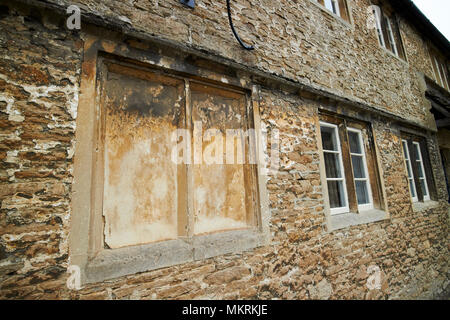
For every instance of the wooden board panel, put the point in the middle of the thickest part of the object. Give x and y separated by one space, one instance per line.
141 110
221 190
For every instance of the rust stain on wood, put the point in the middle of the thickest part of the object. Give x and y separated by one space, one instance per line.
140 198
220 191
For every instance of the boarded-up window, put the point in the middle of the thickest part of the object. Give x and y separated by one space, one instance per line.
141 111
222 195
149 197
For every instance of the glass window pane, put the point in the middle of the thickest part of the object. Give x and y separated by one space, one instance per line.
355 145
362 192
417 151
412 187
335 7
408 167
405 150
329 5
332 165
336 194
358 167
329 138
424 189
380 36
419 165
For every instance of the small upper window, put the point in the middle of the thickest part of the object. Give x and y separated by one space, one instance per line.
333 6
338 7
388 32
440 71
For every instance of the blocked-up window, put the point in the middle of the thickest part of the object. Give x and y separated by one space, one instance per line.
223 186
169 165
351 172
418 169
141 183
150 196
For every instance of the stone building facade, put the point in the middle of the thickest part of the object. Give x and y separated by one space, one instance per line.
79 190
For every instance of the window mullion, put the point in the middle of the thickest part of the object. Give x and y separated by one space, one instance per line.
188 170
348 168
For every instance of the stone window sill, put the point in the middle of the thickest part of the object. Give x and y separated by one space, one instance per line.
422 206
342 221
394 55
113 263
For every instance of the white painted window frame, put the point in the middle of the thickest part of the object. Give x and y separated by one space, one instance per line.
441 76
391 37
332 6
409 166
378 16
366 206
446 84
424 178
346 208
440 80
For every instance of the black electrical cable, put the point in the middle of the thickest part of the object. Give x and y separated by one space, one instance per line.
245 46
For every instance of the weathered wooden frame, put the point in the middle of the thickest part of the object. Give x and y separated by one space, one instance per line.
344 124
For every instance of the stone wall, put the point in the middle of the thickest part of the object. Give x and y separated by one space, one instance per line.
40 66
294 39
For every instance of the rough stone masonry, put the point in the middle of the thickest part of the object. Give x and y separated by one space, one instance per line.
307 61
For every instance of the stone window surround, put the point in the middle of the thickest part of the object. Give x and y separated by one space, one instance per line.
345 220
86 235
420 204
426 205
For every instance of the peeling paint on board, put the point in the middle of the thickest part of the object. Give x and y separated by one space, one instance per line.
139 204
219 189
